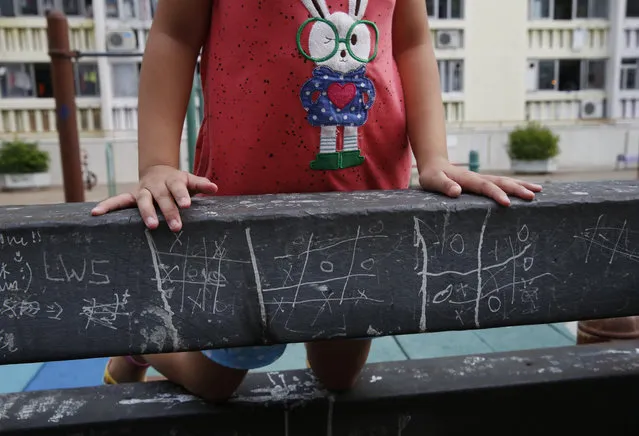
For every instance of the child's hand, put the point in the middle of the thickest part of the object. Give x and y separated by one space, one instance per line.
442 176
166 186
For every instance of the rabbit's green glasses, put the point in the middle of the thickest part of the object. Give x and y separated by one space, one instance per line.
346 41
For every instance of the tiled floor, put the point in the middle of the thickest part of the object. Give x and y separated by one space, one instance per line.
88 372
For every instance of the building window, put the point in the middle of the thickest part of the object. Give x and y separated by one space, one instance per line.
568 9
126 77
26 80
445 9
632 9
86 80
16 81
7 8
567 74
122 9
630 74
43 80
451 75
27 8
34 80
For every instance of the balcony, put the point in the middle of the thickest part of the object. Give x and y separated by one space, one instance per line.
568 39
628 105
549 106
454 107
25 39
36 116
630 41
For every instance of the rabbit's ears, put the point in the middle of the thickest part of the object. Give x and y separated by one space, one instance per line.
357 8
318 8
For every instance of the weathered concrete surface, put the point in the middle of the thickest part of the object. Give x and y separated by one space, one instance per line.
294 268
522 393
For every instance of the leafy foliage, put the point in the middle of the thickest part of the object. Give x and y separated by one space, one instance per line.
533 142
21 157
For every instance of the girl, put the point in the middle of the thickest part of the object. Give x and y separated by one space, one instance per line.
300 96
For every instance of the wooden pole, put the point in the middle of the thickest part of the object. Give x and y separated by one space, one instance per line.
65 109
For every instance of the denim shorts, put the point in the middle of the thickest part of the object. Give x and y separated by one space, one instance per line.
246 357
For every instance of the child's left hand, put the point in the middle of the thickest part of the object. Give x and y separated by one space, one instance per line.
451 180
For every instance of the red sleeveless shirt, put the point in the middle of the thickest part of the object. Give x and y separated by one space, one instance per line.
302 96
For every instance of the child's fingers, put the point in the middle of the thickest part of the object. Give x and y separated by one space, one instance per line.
200 185
146 208
531 186
122 201
473 182
510 186
440 182
167 206
178 189
534 187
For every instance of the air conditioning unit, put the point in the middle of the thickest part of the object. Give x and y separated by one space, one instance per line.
448 39
592 109
121 41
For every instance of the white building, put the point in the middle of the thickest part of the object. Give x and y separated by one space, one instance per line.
573 64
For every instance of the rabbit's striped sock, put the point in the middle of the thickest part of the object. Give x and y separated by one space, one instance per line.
350 142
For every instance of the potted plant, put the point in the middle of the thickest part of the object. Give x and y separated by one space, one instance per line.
23 166
532 149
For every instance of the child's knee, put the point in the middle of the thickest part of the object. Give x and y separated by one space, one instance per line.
216 387
338 363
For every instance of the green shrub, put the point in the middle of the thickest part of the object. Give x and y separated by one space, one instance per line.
533 142
21 157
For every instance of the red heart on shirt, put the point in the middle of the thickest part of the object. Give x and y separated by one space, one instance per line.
341 95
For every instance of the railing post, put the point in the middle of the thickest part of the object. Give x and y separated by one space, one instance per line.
200 96
110 164
64 94
191 129
473 161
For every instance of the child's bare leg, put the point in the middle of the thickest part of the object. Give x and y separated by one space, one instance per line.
338 362
191 370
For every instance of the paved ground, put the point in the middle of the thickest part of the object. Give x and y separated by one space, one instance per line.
88 372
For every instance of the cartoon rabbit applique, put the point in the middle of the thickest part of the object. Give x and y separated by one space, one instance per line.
339 93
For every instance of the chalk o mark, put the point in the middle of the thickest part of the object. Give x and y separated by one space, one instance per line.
327 266
192 273
444 295
368 264
494 304
376 228
457 244
528 263
523 233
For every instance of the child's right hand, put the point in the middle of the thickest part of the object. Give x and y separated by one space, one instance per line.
169 187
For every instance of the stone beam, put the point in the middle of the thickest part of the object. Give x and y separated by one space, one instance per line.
294 268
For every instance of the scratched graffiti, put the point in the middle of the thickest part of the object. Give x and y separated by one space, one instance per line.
322 274
105 314
200 275
497 271
611 239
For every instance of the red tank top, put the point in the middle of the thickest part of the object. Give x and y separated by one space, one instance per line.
302 96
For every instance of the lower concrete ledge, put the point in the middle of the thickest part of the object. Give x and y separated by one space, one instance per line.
572 390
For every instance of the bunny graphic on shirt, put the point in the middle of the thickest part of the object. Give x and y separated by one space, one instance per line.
339 93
